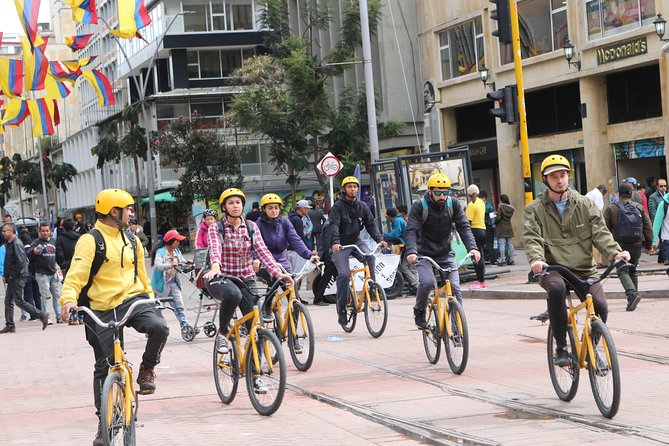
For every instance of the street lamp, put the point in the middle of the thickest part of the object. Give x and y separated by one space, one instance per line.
141 91
660 27
569 53
483 74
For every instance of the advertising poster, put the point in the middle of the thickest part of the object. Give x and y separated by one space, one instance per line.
419 173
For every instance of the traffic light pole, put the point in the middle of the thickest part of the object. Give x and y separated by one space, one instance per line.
518 63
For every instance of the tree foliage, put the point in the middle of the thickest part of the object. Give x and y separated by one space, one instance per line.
28 175
210 164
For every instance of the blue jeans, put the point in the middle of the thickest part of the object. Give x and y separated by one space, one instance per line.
426 279
340 259
172 290
505 243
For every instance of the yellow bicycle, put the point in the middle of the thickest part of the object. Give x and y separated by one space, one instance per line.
118 408
371 299
446 321
595 350
294 322
254 353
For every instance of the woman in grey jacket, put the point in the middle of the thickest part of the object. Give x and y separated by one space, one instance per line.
504 231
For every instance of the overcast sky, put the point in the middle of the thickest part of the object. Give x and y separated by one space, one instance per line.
9 19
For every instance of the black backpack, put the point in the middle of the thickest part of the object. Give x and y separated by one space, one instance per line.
99 259
630 223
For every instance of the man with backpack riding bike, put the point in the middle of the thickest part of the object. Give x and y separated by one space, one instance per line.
107 274
231 244
560 227
429 232
347 218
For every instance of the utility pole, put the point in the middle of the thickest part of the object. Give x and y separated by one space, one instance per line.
369 83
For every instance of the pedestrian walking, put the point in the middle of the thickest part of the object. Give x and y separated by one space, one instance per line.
504 231
42 254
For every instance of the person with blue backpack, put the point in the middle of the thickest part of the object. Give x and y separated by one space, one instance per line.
165 280
432 220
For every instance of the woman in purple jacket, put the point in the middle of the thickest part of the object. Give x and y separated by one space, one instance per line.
279 234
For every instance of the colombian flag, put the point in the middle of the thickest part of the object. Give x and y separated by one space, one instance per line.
35 65
11 77
79 42
75 65
83 11
28 11
55 89
15 112
132 16
60 73
101 85
42 111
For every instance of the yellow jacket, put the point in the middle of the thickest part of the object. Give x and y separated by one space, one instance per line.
476 213
113 283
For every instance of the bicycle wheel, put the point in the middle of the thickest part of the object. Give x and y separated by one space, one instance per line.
432 336
376 309
457 345
226 372
397 287
116 428
301 342
564 379
266 384
351 313
605 373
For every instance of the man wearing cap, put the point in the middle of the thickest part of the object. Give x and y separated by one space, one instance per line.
560 227
302 223
636 196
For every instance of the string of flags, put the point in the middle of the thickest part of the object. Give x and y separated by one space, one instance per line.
33 85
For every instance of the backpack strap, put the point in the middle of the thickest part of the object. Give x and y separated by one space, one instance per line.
99 258
133 243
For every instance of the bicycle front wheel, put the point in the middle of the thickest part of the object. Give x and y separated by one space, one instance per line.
117 429
376 309
564 379
266 384
226 372
432 335
351 313
605 372
301 342
457 344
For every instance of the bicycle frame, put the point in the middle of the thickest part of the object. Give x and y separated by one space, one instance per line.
358 299
583 344
122 367
254 316
291 297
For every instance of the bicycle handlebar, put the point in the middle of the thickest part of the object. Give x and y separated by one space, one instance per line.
125 318
308 266
374 251
445 270
587 283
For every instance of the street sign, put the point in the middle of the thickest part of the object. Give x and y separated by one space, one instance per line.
330 165
38 214
12 208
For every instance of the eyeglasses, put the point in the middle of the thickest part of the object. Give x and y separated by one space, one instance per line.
438 193
661 185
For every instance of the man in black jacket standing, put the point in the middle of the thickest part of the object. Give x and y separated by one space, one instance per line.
16 272
347 218
42 254
430 236
65 243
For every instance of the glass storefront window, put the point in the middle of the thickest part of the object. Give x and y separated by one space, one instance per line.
609 17
461 49
543 29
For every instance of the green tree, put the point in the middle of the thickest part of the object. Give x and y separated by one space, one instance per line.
285 95
210 164
6 179
108 148
133 143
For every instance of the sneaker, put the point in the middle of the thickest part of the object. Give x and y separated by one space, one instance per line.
561 358
146 379
259 386
58 321
23 318
478 286
419 319
321 304
297 347
543 317
342 318
632 301
50 322
222 344
266 315
98 437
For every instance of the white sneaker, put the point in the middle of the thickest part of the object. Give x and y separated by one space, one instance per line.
222 344
260 386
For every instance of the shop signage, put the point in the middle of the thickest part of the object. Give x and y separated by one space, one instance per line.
622 51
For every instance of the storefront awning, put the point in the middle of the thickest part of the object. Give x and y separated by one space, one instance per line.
163 197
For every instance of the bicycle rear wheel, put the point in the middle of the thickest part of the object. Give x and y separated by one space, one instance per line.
301 342
457 344
397 287
116 428
565 379
226 372
605 372
432 335
266 384
376 309
351 313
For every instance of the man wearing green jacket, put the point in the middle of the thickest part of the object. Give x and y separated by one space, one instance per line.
560 227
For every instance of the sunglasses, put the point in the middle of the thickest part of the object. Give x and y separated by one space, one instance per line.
662 185
438 193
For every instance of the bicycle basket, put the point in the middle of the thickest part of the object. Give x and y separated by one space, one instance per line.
200 258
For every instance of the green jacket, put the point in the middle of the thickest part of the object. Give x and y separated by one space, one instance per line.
568 242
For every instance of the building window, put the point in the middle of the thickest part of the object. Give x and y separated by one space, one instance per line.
608 17
219 15
543 29
461 49
634 94
554 110
215 64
